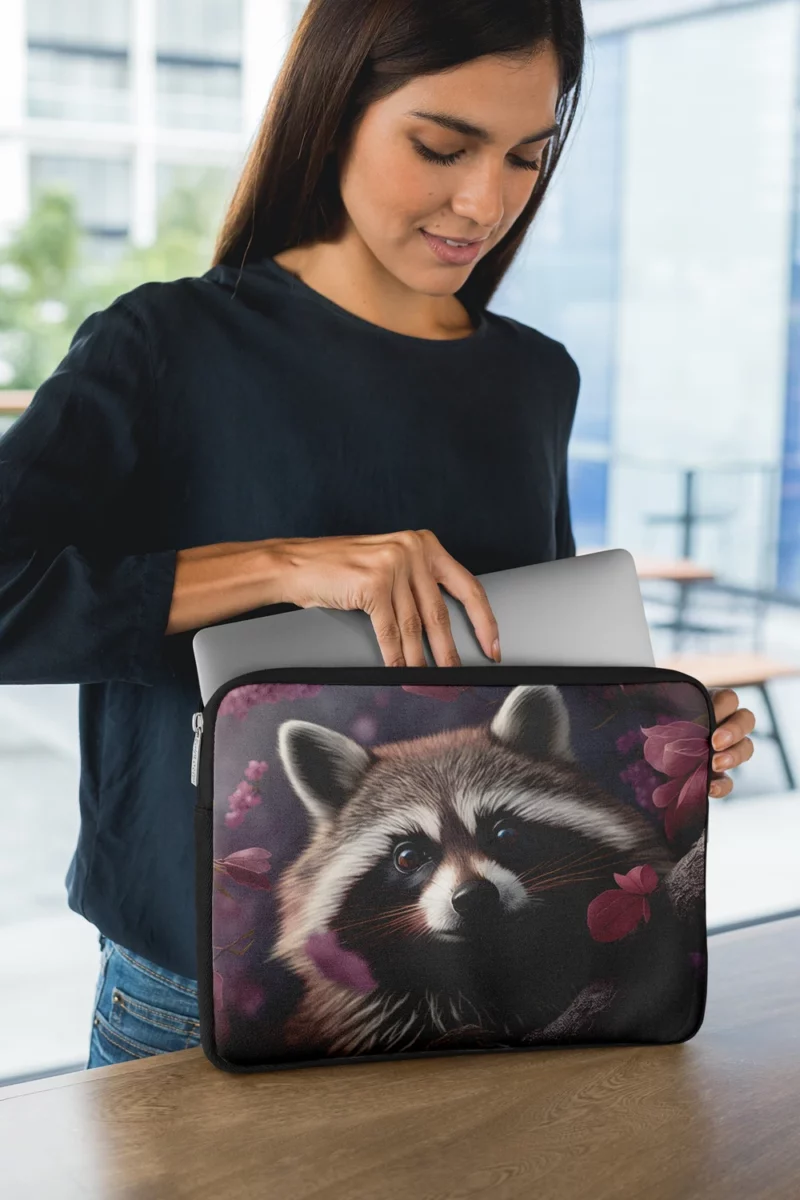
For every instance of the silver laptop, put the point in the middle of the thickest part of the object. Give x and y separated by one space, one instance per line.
581 611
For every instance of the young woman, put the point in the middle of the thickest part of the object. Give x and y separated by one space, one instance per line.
330 416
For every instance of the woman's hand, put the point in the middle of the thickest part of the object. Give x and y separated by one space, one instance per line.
394 578
730 738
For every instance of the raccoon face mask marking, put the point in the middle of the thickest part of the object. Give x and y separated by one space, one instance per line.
443 838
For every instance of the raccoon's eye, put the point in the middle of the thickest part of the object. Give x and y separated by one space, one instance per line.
409 857
505 833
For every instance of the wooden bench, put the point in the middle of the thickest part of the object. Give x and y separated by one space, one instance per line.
738 671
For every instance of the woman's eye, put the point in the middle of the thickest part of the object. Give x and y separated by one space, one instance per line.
446 160
408 857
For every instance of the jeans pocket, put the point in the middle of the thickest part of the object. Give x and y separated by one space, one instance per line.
143 1010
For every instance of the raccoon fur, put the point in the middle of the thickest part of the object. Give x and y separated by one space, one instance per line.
459 867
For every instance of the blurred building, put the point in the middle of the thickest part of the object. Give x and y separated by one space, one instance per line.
121 99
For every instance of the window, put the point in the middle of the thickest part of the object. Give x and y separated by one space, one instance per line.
101 187
198 64
78 65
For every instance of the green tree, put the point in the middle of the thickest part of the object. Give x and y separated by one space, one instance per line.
50 280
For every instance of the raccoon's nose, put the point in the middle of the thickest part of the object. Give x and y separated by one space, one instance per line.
476 897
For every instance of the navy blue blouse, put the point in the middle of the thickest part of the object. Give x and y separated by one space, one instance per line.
237 406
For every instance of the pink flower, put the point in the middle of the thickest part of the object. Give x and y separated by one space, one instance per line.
615 913
243 797
643 779
340 965
254 770
239 701
681 750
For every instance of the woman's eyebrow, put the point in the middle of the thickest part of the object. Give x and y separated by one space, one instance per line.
458 125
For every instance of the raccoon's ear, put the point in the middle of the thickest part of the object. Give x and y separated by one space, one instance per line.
534 720
324 767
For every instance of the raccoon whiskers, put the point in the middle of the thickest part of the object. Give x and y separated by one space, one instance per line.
583 859
534 886
363 1041
556 871
389 915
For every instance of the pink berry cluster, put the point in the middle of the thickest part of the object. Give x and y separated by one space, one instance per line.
245 795
239 701
628 740
644 781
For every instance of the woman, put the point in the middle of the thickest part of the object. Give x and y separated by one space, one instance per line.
328 417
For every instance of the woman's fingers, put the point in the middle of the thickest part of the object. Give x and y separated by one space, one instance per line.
387 630
409 622
464 586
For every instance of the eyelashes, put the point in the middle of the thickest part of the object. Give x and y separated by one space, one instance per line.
446 160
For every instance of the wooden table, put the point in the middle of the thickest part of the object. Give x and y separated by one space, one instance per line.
714 1118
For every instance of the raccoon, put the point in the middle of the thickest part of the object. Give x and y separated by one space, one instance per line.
459 867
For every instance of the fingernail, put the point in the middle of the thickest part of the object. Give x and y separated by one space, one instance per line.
714 789
496 650
723 761
724 738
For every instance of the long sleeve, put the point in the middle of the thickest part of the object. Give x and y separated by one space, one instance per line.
565 539
82 600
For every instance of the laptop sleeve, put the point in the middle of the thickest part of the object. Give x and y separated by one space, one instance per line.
396 862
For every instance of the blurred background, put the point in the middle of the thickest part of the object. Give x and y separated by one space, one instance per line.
665 257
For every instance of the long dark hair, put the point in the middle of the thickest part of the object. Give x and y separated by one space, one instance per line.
345 55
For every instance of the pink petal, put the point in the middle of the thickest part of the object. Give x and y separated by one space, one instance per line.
340 965
683 755
613 914
667 793
691 803
639 880
675 729
248 867
660 737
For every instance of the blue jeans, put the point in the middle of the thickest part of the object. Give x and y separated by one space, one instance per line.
140 1009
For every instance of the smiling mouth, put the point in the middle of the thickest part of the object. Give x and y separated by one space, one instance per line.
456 241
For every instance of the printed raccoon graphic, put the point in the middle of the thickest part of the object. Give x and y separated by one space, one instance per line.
459 867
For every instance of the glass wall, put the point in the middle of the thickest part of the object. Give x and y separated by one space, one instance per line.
565 280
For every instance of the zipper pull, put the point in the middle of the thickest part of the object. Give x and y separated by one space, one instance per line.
197 726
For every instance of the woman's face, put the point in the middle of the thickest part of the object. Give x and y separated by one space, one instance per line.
393 190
